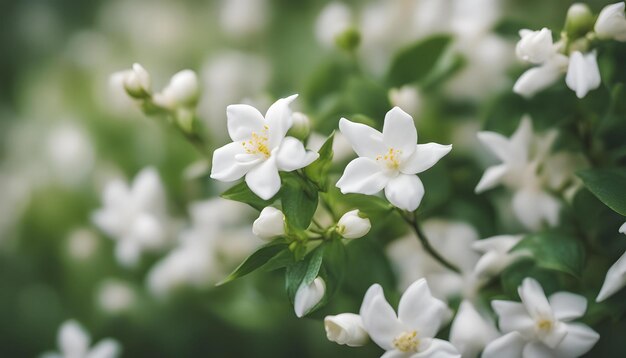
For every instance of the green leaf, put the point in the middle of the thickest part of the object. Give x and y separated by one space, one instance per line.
303 272
415 62
299 201
258 258
242 193
448 66
367 97
318 170
555 251
608 185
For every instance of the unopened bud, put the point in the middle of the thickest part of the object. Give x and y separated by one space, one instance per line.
182 91
579 21
137 82
353 226
308 296
269 224
301 126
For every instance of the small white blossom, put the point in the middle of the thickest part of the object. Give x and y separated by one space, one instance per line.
389 160
583 74
615 278
182 91
308 296
74 342
352 226
470 331
333 20
411 332
137 81
260 148
115 296
269 224
540 326
243 18
535 46
611 23
538 78
346 328
496 256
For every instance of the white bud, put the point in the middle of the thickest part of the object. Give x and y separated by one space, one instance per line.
579 20
137 82
301 125
470 332
346 328
406 97
541 77
611 23
535 46
182 91
353 226
269 224
333 20
308 296
583 74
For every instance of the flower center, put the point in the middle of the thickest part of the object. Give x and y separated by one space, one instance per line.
407 342
544 325
391 158
257 144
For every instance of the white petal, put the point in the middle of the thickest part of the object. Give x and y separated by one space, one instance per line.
226 167
534 299
399 131
499 243
510 345
470 332
395 354
279 120
308 296
424 157
438 348
583 74
107 348
622 229
405 191
533 207
492 177
127 252
242 121
420 311
264 180
615 279
521 140
536 79
513 317
365 140
568 306
578 341
269 224
291 155
497 144
346 328
73 340
537 350
379 319
611 22
147 191
362 175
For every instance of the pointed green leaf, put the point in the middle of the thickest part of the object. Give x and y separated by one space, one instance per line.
414 63
259 258
241 192
318 170
608 185
555 250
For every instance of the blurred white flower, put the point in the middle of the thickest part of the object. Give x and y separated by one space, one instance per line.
260 148
70 152
615 278
74 342
183 90
115 296
269 224
611 22
137 81
470 331
540 326
243 18
389 160
411 332
538 78
308 296
535 46
82 244
495 255
333 20
406 97
346 328
342 150
134 216
583 74
352 226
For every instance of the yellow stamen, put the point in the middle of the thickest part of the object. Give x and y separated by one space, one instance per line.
258 143
391 158
407 342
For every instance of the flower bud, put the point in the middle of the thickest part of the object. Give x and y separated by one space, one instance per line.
269 224
346 328
182 91
611 23
353 226
535 46
583 74
579 21
308 296
406 97
301 126
137 82
348 40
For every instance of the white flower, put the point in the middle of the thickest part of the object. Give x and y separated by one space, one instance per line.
406 97
615 278
470 331
243 18
137 81
540 326
583 74
346 328
538 78
74 342
352 226
269 224
611 22
134 216
182 91
260 148
496 256
389 160
333 20
308 296
115 296
535 46
409 333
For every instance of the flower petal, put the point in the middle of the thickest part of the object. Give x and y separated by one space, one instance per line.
424 157
534 207
264 180
362 175
497 144
510 345
492 177
291 155
226 167
380 321
537 350
73 340
583 74
438 348
106 348
366 141
534 299
420 311
242 120
537 79
622 229
405 191
578 341
395 354
279 120
470 332
513 317
399 131
567 306
615 279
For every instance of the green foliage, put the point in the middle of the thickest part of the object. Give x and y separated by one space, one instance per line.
299 201
609 185
303 272
241 192
317 171
555 250
415 62
259 258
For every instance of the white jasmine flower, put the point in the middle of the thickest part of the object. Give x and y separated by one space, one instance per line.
134 216
409 333
74 342
182 91
115 296
389 160
611 23
583 74
333 20
540 326
308 296
137 81
496 256
71 153
242 18
406 97
260 148
269 224
535 46
615 278
346 328
82 243
538 78
352 226
470 331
